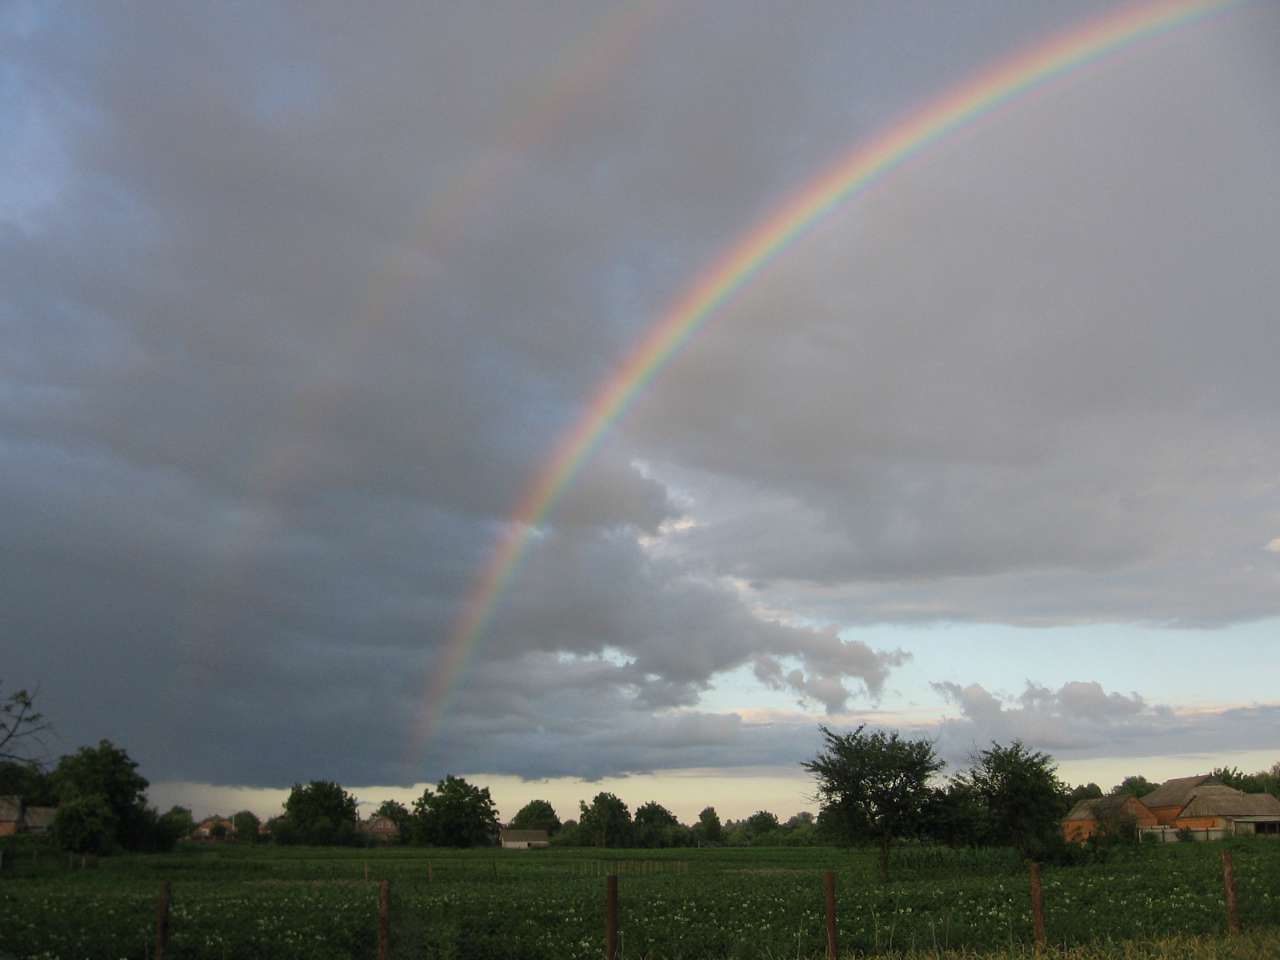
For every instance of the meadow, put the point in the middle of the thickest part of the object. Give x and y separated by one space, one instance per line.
680 904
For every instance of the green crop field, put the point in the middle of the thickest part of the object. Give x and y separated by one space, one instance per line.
748 903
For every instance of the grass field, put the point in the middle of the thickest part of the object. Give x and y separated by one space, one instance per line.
730 903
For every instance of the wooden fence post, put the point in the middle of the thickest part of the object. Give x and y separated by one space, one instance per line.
829 895
611 917
1037 907
1229 888
384 920
162 920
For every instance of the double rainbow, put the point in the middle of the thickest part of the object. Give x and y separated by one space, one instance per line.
869 160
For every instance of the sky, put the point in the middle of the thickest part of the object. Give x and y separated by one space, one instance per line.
298 301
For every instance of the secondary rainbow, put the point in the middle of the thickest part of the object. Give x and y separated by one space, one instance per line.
866 162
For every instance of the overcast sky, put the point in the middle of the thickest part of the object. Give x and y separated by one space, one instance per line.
295 301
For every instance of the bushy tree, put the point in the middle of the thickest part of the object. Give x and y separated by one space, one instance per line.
1023 796
107 772
320 812
457 814
876 782
27 780
246 825
1088 791
173 825
606 823
536 815
761 826
708 828
1137 786
85 824
656 826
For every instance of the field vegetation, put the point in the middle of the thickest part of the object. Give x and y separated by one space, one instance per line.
303 902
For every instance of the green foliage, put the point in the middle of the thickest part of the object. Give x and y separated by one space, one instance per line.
1137 786
876 783
537 815
657 827
320 812
708 828
107 772
85 824
1022 794
27 780
174 825
750 904
1087 791
456 815
606 823
246 825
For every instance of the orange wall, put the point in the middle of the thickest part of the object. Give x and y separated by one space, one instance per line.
1199 823
1166 815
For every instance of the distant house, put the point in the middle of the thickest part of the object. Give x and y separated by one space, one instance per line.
1088 816
1168 799
523 839
39 820
207 829
10 815
1200 807
380 829
1220 811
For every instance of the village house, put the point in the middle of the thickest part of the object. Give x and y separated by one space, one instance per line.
39 820
207 829
380 829
10 815
1201 808
1088 816
523 839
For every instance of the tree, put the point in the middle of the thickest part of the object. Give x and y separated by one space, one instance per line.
656 826
537 815
606 823
321 812
762 821
456 815
1089 791
106 771
174 825
245 824
877 782
1137 785
20 728
85 824
27 780
1024 798
708 828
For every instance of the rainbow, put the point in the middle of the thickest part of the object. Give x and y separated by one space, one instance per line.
869 160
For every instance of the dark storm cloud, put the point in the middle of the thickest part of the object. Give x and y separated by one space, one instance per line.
296 301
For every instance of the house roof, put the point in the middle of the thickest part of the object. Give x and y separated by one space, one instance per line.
525 836
1093 807
1220 801
10 808
41 817
376 824
1175 793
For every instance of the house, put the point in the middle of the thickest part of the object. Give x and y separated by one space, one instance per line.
208 829
1087 817
523 839
1219 811
10 815
39 820
380 829
1168 799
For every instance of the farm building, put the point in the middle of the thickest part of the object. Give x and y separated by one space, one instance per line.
39 819
207 829
1215 811
1088 816
1167 800
381 829
523 839
10 815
